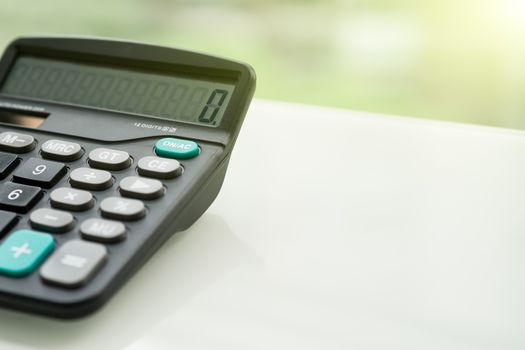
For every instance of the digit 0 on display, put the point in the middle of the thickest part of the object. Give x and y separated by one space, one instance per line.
212 107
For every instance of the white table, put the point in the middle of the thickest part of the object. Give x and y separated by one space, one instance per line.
333 230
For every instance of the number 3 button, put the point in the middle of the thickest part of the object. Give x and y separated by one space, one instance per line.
39 172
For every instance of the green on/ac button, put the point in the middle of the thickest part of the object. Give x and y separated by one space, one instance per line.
176 148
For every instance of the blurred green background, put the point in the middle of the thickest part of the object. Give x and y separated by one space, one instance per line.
460 60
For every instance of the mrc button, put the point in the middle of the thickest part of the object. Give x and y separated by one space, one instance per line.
176 148
61 150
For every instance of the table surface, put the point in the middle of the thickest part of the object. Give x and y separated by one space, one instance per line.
334 230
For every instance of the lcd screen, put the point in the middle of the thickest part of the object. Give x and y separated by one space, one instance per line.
146 93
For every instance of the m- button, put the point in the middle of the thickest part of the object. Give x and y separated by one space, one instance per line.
161 168
16 142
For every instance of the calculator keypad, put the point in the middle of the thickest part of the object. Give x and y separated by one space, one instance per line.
39 172
82 250
91 179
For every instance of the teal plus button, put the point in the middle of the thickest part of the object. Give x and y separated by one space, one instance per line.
176 148
23 251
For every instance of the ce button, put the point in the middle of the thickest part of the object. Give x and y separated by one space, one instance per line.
161 168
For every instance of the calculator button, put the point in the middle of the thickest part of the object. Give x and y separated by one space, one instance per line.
39 172
17 197
61 150
7 221
90 179
161 168
16 142
71 199
122 208
109 159
51 220
103 230
23 251
74 263
141 188
176 148
7 163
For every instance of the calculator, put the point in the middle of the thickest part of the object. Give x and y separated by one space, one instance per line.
107 148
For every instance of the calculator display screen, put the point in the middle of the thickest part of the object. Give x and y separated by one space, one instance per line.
119 89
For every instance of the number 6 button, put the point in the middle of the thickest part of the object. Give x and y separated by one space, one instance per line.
19 198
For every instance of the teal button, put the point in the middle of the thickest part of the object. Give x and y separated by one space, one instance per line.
176 148
23 251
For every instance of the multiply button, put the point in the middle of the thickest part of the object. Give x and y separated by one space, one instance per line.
74 263
51 220
109 159
61 150
71 199
23 251
122 208
91 179
161 168
176 148
16 142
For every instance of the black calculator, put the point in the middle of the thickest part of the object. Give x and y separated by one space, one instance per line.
107 148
